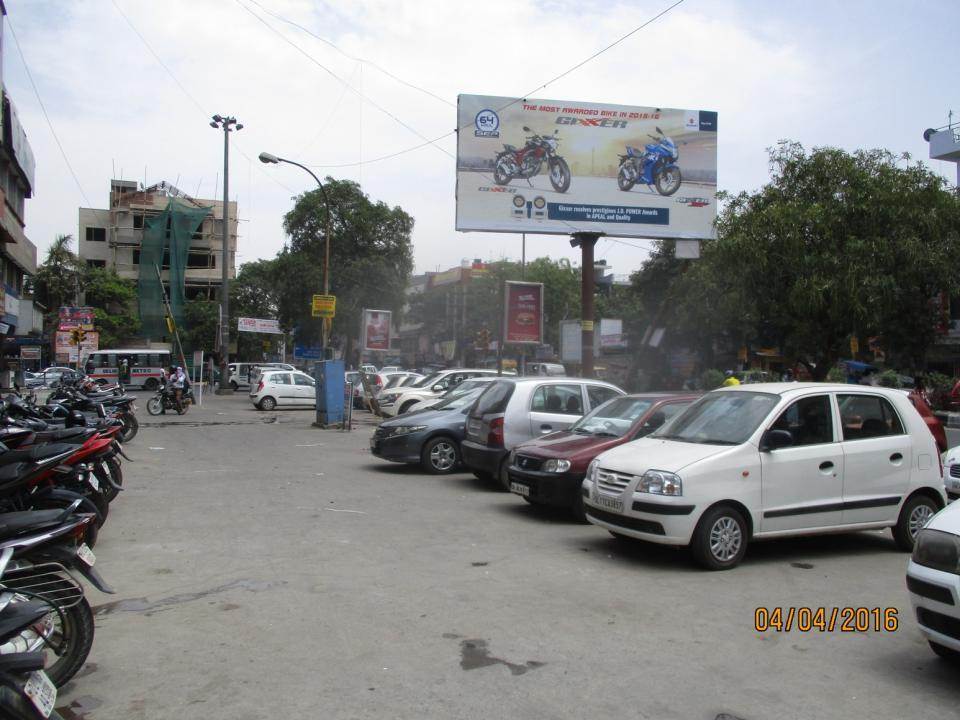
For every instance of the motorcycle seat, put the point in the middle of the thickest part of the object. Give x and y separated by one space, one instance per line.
69 435
35 453
14 523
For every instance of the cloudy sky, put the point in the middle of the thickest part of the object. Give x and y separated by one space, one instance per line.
862 73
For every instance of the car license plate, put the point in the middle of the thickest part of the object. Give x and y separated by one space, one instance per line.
42 692
86 554
94 483
520 489
609 502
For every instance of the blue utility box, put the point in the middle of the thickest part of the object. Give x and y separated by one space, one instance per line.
329 375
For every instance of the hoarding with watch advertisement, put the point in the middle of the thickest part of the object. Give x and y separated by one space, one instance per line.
523 313
553 166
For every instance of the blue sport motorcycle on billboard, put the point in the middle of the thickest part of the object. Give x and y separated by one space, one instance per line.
656 165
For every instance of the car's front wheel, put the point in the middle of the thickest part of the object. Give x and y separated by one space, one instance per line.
720 540
916 513
440 456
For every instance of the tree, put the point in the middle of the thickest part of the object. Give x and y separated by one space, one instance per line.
114 301
370 259
836 245
57 281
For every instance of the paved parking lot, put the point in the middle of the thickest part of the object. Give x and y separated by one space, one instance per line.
268 569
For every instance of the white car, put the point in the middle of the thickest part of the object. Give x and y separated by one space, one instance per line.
771 460
933 579
400 400
463 388
951 473
282 388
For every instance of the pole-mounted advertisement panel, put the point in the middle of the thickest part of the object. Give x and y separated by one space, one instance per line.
523 313
376 329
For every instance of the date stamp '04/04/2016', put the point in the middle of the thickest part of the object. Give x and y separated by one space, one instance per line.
824 619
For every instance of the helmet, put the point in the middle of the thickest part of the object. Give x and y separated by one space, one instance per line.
76 419
729 373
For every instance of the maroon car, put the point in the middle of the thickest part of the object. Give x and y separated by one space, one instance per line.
936 427
550 469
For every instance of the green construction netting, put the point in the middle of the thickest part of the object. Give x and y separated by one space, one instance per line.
166 241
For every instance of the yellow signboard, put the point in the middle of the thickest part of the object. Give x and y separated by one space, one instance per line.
854 345
324 306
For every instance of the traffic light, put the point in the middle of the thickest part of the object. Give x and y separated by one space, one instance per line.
483 339
77 336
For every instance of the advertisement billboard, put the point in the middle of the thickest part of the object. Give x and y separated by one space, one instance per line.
376 329
548 166
65 351
76 317
259 325
523 313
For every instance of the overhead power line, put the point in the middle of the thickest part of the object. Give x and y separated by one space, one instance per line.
46 116
351 57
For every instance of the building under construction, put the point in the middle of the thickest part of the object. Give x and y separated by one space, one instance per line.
160 227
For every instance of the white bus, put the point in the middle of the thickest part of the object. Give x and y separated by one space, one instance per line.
145 366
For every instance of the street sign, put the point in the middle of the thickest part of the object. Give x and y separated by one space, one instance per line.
324 306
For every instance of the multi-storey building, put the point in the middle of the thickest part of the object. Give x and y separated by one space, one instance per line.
113 237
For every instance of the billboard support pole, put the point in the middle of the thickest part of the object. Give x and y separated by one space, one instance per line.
586 241
523 276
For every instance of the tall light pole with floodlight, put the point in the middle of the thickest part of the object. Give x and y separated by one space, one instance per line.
228 125
266 157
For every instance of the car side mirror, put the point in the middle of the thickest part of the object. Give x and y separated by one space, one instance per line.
438 388
775 439
526 129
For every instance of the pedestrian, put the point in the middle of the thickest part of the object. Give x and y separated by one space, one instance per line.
124 371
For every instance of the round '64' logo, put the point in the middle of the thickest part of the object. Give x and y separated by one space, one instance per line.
487 123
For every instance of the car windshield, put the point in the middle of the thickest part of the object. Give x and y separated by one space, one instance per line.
460 401
428 380
614 418
395 380
720 418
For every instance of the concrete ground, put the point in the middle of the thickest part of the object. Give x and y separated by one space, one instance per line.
267 569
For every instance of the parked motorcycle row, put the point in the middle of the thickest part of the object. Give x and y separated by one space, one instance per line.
655 165
60 468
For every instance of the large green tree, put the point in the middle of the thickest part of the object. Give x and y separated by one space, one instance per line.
57 280
370 259
836 245
114 301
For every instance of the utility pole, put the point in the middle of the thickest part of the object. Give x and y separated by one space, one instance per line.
227 125
586 242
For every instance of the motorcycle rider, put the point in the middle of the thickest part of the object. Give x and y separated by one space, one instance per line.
178 380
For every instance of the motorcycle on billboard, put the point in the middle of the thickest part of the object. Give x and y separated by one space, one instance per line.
656 166
527 162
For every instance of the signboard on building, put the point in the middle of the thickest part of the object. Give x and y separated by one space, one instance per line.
523 313
29 352
376 329
76 317
548 166
17 137
66 351
259 325
611 334
306 352
323 306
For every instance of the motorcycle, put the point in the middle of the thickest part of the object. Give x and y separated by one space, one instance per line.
656 165
527 162
164 400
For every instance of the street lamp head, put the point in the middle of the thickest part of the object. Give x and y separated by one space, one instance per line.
266 157
239 126
217 118
214 125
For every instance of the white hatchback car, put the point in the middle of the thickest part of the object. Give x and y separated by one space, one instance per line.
933 579
771 460
280 388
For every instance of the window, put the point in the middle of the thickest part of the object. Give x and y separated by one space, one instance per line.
302 380
868 416
559 399
281 379
96 234
137 221
726 418
201 260
96 263
166 259
494 399
808 420
599 395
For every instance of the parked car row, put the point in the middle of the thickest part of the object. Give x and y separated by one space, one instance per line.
713 473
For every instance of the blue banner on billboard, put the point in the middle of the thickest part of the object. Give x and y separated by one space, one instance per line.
580 212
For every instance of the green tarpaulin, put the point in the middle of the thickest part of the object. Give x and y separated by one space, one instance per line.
166 241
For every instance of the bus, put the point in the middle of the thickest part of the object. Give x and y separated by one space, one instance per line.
145 364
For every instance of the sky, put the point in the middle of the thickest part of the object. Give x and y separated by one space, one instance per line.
129 87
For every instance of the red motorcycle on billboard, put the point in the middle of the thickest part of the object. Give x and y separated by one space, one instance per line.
527 162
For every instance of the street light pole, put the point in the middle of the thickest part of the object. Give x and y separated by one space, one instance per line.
266 157
226 124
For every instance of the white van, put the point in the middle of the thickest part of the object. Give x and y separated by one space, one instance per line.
771 460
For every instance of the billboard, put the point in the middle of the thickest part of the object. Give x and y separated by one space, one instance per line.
548 166
376 329
259 325
76 317
523 313
65 351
